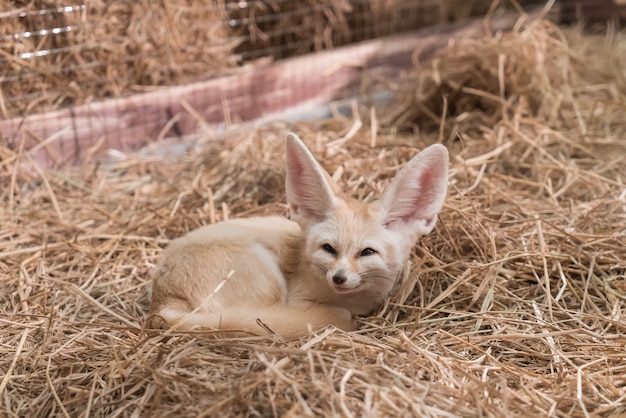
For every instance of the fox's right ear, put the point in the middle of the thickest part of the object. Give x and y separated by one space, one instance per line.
309 194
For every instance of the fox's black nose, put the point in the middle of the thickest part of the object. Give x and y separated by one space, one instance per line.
339 278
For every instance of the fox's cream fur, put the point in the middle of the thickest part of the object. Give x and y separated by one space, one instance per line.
336 258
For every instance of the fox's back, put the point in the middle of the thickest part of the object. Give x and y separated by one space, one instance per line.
235 262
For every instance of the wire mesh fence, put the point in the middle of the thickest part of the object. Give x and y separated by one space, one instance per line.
60 53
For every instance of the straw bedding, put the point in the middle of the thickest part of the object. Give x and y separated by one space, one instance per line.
513 306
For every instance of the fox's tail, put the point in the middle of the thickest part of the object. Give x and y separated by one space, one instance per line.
288 321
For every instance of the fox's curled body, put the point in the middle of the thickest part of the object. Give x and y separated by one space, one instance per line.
338 257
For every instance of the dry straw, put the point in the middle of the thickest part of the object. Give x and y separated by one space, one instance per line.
513 306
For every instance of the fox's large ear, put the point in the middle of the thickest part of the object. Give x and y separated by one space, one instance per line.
416 195
309 194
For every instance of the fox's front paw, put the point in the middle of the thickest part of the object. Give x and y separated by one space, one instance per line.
343 319
155 321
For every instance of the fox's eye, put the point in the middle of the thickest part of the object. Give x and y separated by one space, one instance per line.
329 249
366 252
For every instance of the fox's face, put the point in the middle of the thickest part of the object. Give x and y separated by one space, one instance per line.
357 246
353 252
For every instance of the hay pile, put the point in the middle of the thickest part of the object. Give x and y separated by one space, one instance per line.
514 305
99 49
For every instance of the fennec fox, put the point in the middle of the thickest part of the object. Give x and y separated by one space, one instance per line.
338 257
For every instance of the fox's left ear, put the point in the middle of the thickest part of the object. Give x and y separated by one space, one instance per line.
416 195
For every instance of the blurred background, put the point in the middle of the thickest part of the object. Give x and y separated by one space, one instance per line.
122 74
